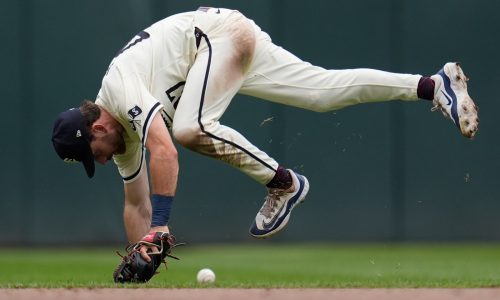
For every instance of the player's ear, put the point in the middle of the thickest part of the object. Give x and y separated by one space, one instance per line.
98 129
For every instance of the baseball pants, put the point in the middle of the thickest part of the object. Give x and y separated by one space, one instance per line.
235 56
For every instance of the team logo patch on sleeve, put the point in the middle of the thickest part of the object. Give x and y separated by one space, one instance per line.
134 112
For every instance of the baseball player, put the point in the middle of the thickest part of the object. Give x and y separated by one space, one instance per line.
181 74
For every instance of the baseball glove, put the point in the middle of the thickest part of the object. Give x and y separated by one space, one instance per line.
134 268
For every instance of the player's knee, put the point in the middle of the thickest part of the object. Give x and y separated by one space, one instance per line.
187 136
319 101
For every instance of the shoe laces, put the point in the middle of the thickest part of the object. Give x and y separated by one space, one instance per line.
438 106
272 201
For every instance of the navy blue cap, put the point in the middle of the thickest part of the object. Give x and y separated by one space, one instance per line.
72 141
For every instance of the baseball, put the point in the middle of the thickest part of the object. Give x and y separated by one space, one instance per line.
205 276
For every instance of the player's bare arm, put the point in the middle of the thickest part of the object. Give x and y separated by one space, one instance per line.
137 212
163 163
137 209
164 168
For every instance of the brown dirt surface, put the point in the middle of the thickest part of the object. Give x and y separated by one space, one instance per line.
244 294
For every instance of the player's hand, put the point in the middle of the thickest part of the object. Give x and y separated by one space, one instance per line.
145 249
143 258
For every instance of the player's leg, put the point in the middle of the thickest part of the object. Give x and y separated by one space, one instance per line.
279 76
213 80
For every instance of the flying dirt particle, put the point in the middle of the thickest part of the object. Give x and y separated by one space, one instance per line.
298 167
270 119
467 178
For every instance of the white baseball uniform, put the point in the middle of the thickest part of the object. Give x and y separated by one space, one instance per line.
189 66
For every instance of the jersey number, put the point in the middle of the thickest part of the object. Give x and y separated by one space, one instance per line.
174 93
140 37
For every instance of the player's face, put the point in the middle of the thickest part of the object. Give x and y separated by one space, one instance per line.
105 145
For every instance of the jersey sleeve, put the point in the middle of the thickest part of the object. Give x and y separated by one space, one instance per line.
135 109
130 163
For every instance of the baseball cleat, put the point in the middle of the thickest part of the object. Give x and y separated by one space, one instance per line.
452 99
275 213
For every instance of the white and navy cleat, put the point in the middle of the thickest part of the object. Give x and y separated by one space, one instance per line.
452 98
275 213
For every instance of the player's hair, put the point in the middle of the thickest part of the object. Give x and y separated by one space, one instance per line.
91 112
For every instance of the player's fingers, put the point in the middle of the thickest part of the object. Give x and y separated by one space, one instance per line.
143 250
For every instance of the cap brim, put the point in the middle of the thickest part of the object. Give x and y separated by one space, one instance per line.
88 163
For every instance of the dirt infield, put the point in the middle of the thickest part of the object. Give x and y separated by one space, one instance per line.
244 294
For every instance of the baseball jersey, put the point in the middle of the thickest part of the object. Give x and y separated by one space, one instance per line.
146 77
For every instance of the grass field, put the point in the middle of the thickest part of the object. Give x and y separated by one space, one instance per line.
263 266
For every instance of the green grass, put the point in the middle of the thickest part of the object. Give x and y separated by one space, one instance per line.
267 265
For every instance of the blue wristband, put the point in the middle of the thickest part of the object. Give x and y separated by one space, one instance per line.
161 209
